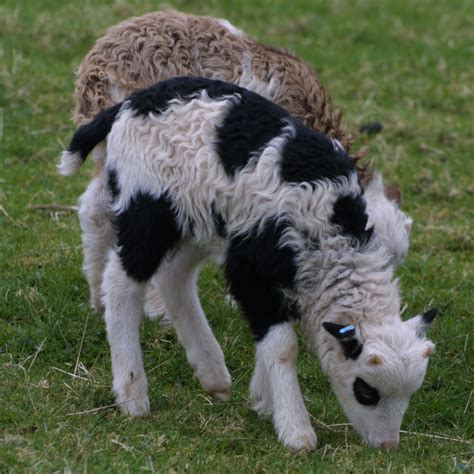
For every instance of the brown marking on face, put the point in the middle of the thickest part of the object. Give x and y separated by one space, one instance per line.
375 359
428 351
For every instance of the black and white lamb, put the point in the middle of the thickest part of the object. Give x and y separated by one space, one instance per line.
197 168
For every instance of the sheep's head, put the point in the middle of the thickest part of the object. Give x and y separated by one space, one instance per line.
375 370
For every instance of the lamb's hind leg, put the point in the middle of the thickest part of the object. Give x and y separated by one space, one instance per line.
177 283
147 231
123 298
98 236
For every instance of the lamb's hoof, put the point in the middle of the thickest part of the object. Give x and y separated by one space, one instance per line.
132 396
222 394
221 389
135 407
301 441
216 383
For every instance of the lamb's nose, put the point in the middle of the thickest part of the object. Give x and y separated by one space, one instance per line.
389 444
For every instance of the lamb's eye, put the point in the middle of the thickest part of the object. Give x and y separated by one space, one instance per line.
364 393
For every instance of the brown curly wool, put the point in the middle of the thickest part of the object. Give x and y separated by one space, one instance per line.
143 50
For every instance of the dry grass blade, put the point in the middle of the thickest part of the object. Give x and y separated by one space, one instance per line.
70 374
324 425
441 437
40 347
10 218
80 345
54 207
411 433
468 402
122 445
95 410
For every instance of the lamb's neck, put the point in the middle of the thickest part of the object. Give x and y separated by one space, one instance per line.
352 288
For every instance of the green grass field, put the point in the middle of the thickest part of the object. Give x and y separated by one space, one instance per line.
405 64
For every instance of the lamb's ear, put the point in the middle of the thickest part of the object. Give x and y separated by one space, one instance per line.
423 321
347 337
393 194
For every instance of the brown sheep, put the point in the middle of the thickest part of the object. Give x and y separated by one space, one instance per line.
141 51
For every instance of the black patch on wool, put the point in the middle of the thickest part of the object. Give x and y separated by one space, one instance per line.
352 349
147 231
219 222
112 183
250 124
88 136
156 98
350 214
311 156
364 393
258 269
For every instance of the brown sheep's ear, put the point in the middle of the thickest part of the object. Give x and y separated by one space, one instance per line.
346 335
393 193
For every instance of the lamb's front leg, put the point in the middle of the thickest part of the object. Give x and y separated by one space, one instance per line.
177 284
123 298
277 353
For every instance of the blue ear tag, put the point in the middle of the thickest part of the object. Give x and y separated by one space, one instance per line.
347 329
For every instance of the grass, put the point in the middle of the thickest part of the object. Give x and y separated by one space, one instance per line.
404 64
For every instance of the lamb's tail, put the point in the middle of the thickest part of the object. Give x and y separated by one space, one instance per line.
86 139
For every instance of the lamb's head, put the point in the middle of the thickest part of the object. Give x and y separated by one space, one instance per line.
374 370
